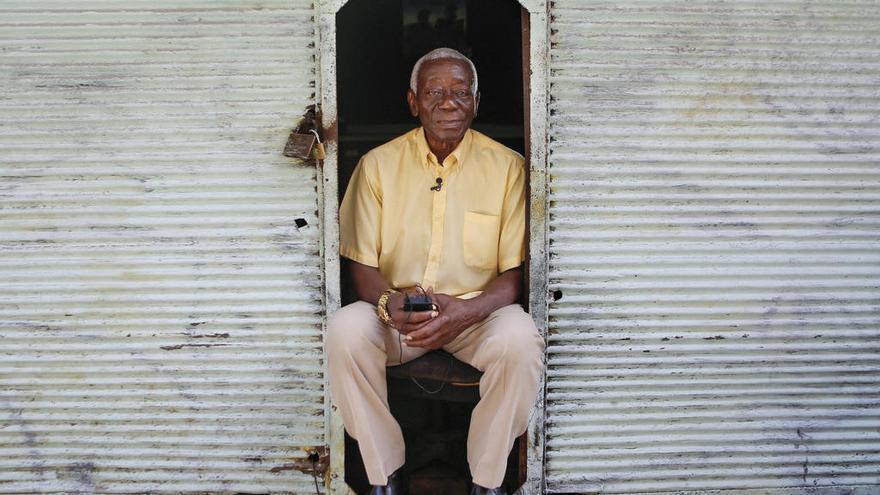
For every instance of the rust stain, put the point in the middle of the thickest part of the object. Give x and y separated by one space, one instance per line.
316 461
331 130
181 346
298 465
308 121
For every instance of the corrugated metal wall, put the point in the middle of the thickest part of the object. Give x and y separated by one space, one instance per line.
715 223
159 303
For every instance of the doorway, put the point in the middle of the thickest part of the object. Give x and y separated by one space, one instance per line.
379 41
377 44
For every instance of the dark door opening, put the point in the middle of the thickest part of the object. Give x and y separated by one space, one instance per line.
378 42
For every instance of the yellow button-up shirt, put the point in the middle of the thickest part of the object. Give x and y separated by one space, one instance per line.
455 240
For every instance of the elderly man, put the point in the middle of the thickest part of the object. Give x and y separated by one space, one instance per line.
441 207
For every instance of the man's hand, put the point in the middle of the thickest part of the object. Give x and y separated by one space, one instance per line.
370 285
455 315
407 321
434 329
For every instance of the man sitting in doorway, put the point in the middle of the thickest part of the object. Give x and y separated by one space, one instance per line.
441 207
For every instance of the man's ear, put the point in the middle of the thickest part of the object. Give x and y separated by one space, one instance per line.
476 103
413 105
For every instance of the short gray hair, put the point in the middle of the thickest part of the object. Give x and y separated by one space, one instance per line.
437 54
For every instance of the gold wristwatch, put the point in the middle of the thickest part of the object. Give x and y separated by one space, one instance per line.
382 308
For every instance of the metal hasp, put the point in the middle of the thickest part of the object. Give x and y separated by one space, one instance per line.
304 141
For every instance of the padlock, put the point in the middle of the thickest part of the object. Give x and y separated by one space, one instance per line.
318 148
300 145
318 151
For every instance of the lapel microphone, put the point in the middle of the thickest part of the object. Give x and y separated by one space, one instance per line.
439 185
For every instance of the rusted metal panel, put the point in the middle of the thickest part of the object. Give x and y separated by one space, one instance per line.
160 275
714 224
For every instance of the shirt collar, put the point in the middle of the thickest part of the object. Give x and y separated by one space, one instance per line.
459 153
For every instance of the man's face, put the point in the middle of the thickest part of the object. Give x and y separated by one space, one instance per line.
444 103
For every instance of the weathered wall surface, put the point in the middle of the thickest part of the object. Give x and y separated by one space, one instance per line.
159 301
714 232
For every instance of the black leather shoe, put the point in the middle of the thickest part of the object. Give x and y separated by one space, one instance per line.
479 490
395 485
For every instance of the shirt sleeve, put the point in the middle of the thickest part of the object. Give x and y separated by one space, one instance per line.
360 217
512 242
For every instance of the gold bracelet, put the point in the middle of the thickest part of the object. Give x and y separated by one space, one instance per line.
382 308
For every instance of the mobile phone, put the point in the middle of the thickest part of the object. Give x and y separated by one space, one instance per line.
418 302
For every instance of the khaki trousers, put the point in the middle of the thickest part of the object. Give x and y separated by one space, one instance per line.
506 346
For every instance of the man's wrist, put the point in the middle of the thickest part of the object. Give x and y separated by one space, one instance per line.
482 306
382 307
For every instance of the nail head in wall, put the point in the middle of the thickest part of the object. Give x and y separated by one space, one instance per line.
557 295
300 223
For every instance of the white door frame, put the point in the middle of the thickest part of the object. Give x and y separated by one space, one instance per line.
325 40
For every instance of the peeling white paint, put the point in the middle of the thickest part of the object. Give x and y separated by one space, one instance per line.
715 204
160 309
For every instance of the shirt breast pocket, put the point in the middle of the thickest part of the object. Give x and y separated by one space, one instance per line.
480 238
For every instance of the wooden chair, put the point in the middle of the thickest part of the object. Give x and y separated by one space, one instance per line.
432 398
